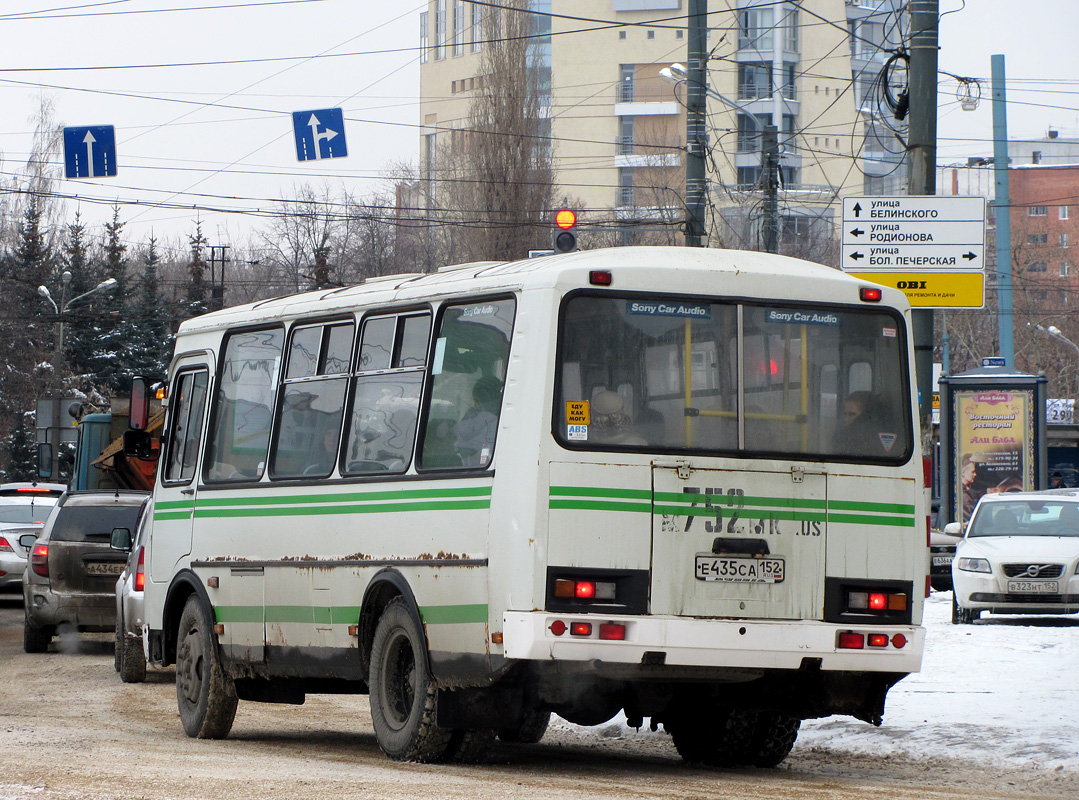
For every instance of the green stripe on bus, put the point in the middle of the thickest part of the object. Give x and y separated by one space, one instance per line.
701 511
600 505
343 615
597 491
263 499
855 505
171 515
380 508
732 500
173 504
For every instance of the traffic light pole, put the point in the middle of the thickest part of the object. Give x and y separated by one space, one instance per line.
696 131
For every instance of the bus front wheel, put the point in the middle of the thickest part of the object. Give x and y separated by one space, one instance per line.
205 695
403 696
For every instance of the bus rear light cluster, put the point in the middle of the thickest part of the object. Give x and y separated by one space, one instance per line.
853 640
584 589
876 602
610 631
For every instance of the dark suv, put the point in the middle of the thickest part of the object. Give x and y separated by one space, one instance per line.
71 579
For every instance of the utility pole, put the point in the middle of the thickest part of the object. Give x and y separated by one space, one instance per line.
217 277
1002 205
922 179
696 132
770 168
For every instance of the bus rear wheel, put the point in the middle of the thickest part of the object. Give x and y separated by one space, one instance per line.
530 731
716 736
403 695
206 696
774 734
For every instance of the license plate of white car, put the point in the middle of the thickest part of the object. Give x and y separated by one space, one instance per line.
1034 587
724 569
104 568
940 561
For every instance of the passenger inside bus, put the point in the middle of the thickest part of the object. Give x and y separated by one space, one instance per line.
858 429
476 429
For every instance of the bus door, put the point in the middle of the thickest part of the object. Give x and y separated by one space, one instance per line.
174 505
738 543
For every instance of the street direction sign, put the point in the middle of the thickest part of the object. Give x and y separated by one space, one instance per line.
90 151
913 233
319 134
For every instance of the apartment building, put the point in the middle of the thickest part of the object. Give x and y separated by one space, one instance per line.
617 126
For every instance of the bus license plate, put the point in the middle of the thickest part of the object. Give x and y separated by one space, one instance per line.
739 570
1034 587
104 568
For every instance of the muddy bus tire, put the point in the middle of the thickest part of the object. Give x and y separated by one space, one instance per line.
718 737
774 734
206 696
403 697
530 731
469 745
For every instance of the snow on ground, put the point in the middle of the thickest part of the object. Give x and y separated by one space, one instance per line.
1004 691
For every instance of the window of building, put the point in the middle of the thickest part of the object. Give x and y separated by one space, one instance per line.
243 409
1063 212
625 136
621 35
755 29
679 34
1064 269
386 393
790 31
1038 266
1037 211
468 375
312 401
651 34
748 177
1063 240
424 41
754 80
458 34
749 133
625 90
1038 238
478 13
788 88
625 187
440 29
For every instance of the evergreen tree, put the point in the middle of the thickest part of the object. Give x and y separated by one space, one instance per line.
81 328
147 344
21 450
110 366
196 289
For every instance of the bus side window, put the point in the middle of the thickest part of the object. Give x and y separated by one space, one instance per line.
386 393
185 432
243 408
468 378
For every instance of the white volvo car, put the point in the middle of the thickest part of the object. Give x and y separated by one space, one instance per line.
1018 555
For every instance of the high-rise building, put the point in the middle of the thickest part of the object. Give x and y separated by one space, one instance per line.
617 127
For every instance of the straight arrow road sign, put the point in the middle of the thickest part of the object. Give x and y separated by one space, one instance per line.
319 134
90 151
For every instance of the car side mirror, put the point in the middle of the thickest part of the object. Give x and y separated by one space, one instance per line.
27 540
954 529
121 539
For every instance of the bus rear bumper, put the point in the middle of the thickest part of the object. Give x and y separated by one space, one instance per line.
750 644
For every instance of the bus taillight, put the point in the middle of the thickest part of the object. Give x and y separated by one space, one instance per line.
584 589
849 640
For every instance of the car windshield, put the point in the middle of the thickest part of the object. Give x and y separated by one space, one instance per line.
24 512
1026 518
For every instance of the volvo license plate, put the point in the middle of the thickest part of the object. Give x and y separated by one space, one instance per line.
727 569
1034 587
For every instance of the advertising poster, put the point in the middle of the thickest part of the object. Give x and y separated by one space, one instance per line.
994 445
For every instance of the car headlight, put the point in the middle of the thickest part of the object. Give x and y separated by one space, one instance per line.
973 564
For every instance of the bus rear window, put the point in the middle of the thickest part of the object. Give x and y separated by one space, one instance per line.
677 374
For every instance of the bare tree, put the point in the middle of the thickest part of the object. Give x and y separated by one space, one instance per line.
500 182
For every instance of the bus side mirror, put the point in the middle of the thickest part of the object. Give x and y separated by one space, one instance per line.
44 460
140 403
121 539
138 444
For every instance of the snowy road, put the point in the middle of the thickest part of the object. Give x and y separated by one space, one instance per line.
992 716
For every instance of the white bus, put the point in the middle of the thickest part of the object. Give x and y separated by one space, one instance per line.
627 480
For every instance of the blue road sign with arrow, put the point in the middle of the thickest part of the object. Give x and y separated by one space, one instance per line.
90 151
319 134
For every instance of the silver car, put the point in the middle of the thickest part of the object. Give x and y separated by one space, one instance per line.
130 654
23 510
72 574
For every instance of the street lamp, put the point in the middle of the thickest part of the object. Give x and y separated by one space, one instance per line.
1056 333
63 308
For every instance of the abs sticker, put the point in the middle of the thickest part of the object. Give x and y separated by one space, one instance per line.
887 441
577 433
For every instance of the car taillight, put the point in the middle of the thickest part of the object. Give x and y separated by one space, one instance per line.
5 546
39 560
140 571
